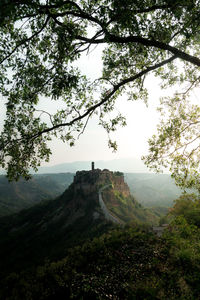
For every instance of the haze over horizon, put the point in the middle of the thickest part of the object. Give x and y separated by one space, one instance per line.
126 165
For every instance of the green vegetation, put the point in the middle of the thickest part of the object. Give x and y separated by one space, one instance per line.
15 196
129 263
188 206
117 173
104 268
127 209
41 44
48 229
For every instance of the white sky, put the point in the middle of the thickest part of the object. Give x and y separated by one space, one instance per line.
92 145
131 140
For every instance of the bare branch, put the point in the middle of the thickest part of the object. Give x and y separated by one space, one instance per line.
85 125
44 112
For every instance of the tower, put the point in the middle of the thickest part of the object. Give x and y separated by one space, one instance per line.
92 166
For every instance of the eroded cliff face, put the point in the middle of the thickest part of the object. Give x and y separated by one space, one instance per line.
85 190
88 182
83 199
121 186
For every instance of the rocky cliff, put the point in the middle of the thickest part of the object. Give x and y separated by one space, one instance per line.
92 181
115 195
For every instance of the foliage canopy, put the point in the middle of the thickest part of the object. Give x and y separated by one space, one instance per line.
40 44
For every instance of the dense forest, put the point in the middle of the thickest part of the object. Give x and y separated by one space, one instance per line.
129 263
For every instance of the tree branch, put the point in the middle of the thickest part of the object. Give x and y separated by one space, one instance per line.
133 39
26 40
154 43
190 87
106 98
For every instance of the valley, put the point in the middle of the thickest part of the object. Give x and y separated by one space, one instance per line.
70 219
94 239
150 190
15 196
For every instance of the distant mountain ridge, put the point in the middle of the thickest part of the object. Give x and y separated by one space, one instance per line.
153 189
126 165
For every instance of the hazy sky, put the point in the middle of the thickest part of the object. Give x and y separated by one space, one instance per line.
92 145
131 140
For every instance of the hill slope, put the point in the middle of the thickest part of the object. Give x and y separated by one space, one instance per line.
153 189
47 230
15 196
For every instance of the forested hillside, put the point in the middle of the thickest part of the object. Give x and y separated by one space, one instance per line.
129 263
15 196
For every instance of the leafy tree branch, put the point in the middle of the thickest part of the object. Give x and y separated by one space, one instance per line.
40 44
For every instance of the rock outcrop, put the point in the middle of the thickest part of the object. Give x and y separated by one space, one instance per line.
91 181
115 196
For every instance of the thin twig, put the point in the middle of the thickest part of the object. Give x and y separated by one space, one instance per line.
85 125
